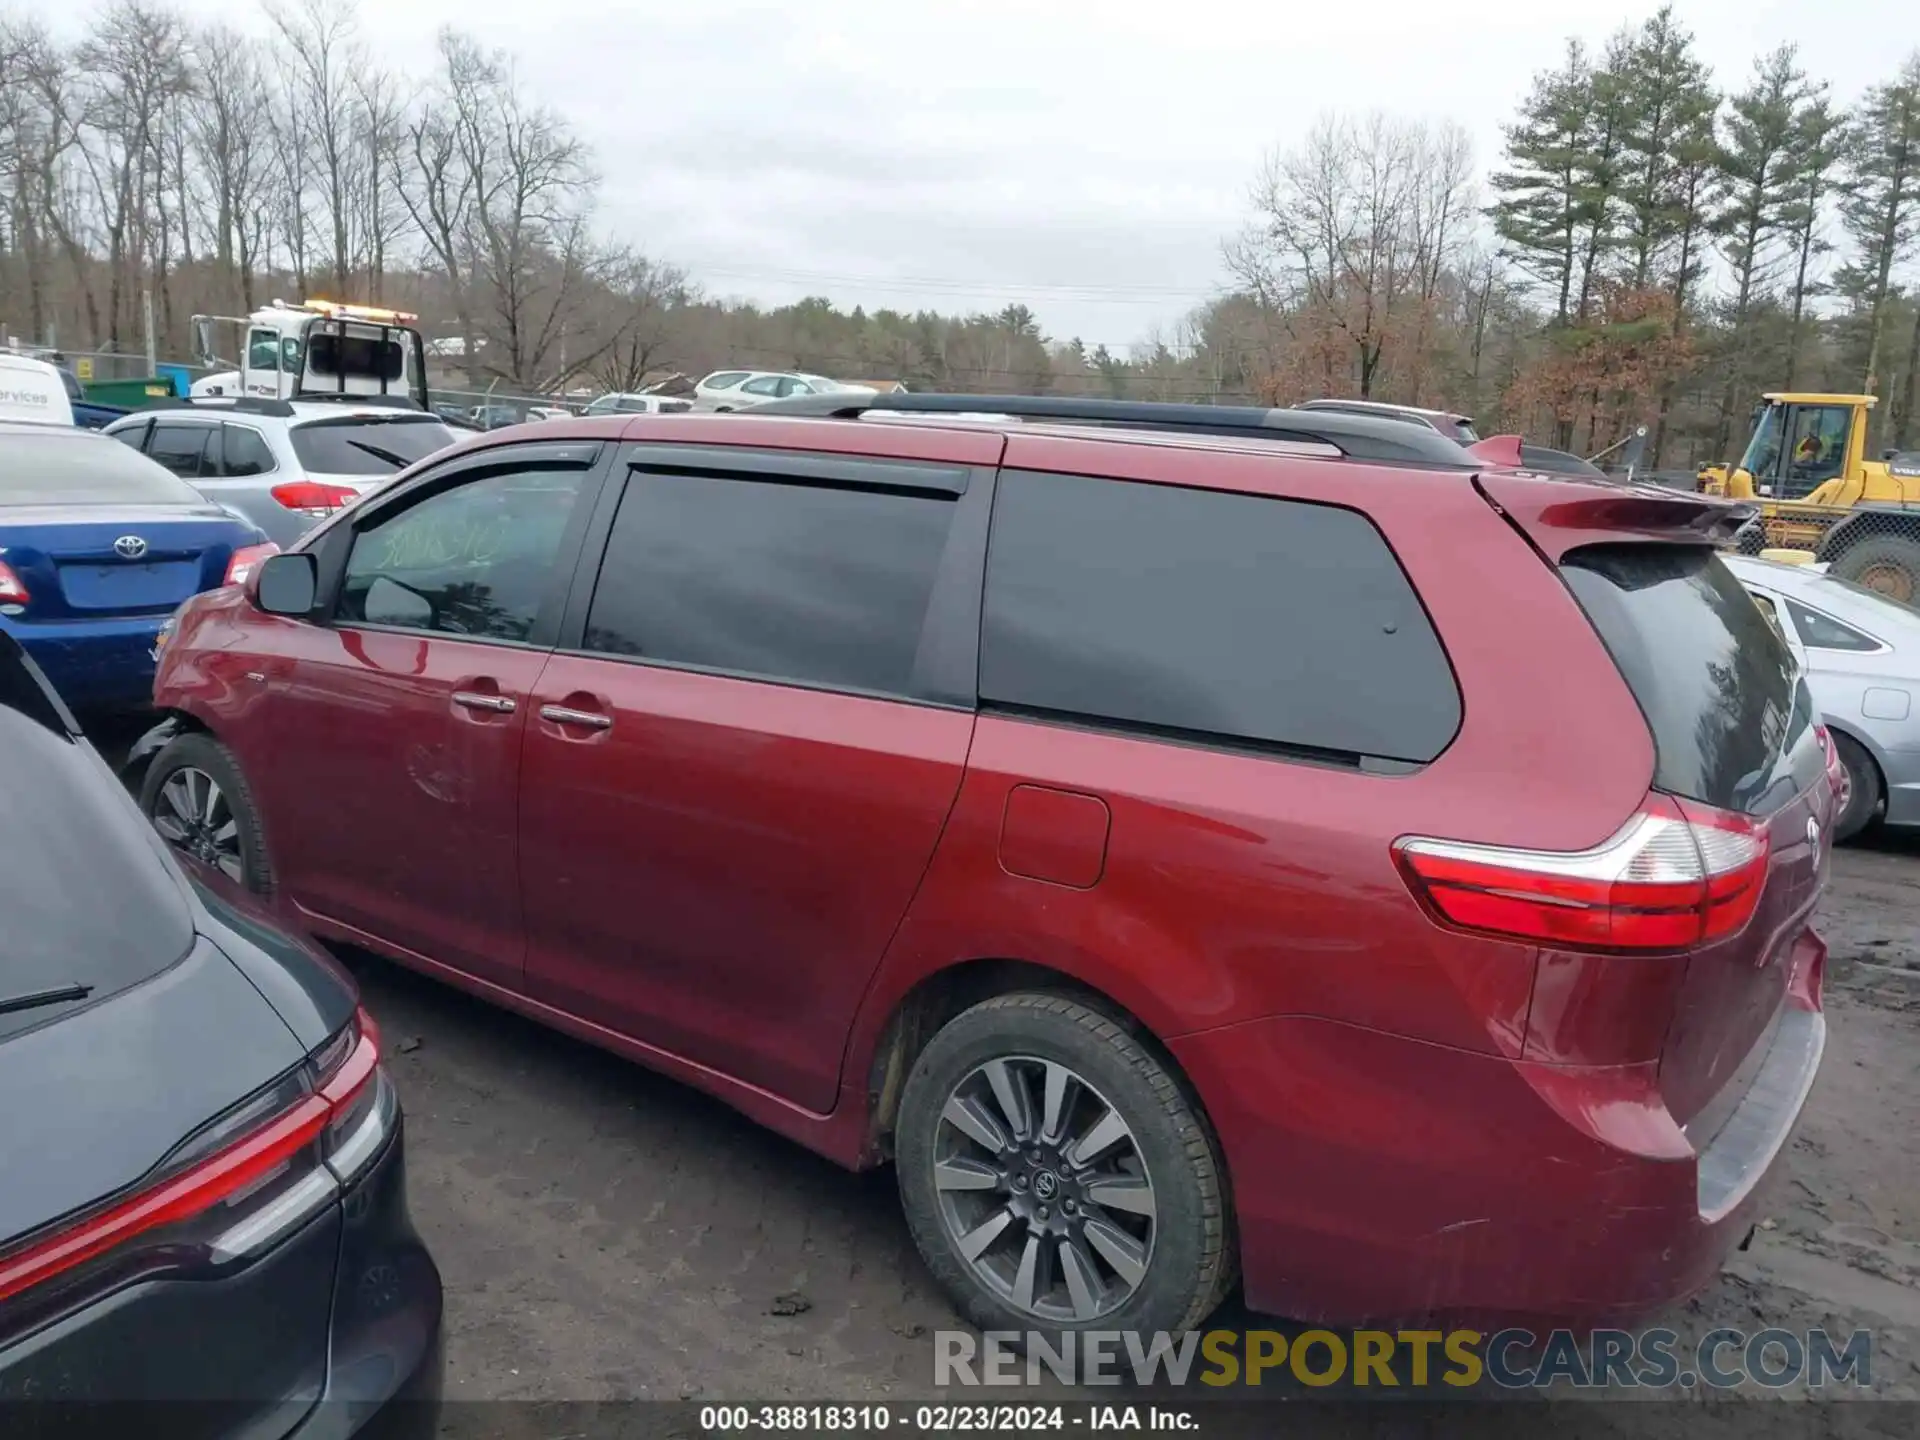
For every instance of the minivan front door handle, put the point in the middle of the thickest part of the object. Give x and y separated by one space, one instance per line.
567 715
478 700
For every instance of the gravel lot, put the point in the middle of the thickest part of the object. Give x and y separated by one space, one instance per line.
607 1234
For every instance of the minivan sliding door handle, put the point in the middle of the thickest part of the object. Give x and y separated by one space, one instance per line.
567 715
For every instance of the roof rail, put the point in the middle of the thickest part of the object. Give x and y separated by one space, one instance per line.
243 404
1358 437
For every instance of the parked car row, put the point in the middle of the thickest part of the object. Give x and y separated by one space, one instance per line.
1153 942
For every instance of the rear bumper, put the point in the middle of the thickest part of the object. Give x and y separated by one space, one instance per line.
387 1355
94 663
257 1356
1379 1178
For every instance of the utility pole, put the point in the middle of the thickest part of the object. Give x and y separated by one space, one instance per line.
153 354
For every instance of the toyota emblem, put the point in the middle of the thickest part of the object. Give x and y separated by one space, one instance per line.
130 547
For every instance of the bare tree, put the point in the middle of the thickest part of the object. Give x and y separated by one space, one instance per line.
646 296
133 67
322 54
1354 231
232 149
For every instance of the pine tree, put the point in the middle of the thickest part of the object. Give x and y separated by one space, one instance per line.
1755 191
1880 207
1668 104
1538 213
1813 160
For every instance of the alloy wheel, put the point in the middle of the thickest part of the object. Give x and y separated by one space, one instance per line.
192 815
1044 1190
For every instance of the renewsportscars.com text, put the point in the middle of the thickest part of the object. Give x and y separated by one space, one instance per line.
1384 1359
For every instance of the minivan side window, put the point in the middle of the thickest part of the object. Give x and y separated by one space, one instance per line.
787 582
475 560
1210 616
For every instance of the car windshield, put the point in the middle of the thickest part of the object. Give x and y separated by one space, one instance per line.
79 468
367 444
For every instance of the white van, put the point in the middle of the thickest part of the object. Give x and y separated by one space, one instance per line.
33 390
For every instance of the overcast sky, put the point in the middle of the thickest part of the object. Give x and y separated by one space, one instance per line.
1084 158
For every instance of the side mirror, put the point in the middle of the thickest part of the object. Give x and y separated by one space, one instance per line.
287 585
203 339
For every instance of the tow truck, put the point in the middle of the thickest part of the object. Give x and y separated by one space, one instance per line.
315 350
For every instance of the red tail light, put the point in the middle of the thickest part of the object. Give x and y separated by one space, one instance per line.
12 592
311 497
1676 874
246 559
253 1189
1836 772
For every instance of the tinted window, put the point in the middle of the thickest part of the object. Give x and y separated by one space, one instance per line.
66 467
1823 632
246 452
792 582
1210 614
765 385
366 444
1731 722
134 435
62 809
179 448
360 356
473 560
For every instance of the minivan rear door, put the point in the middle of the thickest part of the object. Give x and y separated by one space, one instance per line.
1733 728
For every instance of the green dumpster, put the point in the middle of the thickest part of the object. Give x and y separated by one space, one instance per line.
130 393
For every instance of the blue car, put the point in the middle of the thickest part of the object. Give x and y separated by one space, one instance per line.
98 546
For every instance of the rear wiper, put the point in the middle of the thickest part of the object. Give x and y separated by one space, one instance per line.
35 999
392 459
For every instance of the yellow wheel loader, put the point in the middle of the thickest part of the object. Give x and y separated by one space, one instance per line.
1806 465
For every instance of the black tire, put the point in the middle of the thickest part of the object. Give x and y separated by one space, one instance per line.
1889 564
1191 1262
1865 785
202 753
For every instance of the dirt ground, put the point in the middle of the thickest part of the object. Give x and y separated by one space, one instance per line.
606 1234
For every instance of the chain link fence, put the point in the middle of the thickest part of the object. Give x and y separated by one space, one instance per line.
1876 545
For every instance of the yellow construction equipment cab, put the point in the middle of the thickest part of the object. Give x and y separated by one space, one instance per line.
1806 464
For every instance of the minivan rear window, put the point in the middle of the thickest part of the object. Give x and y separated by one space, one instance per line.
1731 717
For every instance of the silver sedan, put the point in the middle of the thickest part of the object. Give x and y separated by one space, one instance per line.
1861 653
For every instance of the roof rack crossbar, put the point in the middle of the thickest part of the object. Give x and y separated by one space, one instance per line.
1358 437
242 404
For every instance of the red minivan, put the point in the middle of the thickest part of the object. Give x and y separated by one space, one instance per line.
1189 843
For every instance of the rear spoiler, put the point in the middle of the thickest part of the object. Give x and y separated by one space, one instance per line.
1562 513
1504 450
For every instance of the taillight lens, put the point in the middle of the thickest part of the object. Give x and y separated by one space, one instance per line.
1836 772
313 497
247 559
1676 874
252 1189
12 592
